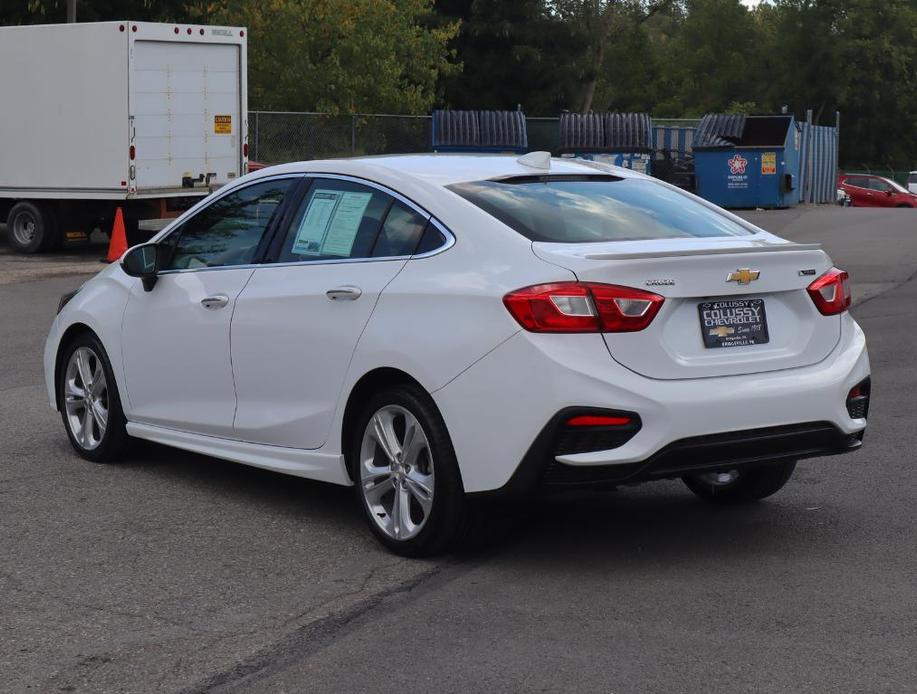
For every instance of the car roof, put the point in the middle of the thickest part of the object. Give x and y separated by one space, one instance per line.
446 169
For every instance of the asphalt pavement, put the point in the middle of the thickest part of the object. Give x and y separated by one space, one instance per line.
174 572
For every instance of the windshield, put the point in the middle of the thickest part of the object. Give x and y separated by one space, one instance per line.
584 209
897 186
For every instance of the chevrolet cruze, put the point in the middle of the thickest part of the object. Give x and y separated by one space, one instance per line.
439 329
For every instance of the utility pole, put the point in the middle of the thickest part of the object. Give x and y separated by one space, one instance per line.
71 11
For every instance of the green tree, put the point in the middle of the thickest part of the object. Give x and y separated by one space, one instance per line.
713 59
341 56
513 53
597 23
55 11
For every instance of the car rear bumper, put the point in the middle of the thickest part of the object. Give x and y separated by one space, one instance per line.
540 469
503 411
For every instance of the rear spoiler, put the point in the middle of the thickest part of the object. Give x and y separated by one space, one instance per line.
669 253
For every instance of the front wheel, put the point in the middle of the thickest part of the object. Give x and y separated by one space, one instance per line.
740 486
406 473
90 402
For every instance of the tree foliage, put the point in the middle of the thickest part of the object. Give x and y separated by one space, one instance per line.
342 56
671 58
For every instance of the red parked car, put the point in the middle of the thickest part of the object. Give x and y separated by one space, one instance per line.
875 191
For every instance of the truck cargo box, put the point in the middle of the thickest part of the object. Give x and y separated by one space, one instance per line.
121 110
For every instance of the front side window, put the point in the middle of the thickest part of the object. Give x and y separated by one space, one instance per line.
228 231
583 209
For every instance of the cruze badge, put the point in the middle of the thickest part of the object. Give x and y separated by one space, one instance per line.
743 276
660 283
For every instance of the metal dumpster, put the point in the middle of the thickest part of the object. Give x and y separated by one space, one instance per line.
748 161
622 139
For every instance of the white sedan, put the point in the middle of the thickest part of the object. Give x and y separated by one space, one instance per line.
440 329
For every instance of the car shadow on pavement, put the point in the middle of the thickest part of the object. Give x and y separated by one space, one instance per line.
662 524
284 494
644 525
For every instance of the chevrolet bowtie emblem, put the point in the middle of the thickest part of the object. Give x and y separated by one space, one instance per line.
743 276
721 331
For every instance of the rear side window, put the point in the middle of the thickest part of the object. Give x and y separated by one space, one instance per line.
877 184
595 209
336 220
400 233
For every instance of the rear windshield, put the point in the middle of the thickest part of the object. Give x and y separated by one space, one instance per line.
596 208
912 178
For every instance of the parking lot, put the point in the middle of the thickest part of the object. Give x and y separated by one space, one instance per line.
175 572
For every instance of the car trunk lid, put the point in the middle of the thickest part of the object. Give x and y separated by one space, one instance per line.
728 284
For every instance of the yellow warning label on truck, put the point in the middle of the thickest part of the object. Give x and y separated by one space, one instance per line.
769 163
222 125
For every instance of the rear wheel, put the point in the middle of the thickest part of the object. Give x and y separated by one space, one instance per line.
31 228
406 474
740 486
90 402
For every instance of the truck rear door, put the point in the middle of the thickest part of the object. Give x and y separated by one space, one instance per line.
187 114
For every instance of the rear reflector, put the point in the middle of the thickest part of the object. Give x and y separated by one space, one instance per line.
858 399
831 292
582 307
598 421
132 152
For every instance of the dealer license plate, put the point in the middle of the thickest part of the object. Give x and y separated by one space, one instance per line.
733 322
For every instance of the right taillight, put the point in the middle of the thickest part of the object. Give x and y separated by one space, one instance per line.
831 292
582 307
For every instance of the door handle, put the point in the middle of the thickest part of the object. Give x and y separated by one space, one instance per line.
344 293
215 302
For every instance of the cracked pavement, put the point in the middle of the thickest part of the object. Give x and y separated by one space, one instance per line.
173 572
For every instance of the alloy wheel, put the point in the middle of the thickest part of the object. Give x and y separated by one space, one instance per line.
86 398
396 472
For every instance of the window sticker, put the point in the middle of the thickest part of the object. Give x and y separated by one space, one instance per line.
331 222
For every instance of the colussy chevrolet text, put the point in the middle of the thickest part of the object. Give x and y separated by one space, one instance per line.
434 329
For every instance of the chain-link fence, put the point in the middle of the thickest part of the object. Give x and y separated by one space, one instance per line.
279 136
276 136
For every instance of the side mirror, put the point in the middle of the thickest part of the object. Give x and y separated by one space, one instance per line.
889 192
144 262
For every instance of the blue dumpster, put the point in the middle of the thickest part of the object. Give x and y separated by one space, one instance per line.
622 139
747 161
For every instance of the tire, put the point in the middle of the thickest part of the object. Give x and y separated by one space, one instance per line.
31 228
408 474
746 486
85 355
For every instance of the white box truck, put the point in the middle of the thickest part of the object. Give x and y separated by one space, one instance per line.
142 116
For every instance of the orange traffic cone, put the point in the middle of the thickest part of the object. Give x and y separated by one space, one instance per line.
118 243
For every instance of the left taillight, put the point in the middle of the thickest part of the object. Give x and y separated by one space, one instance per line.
582 307
831 292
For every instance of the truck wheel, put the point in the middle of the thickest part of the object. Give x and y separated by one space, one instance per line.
30 228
